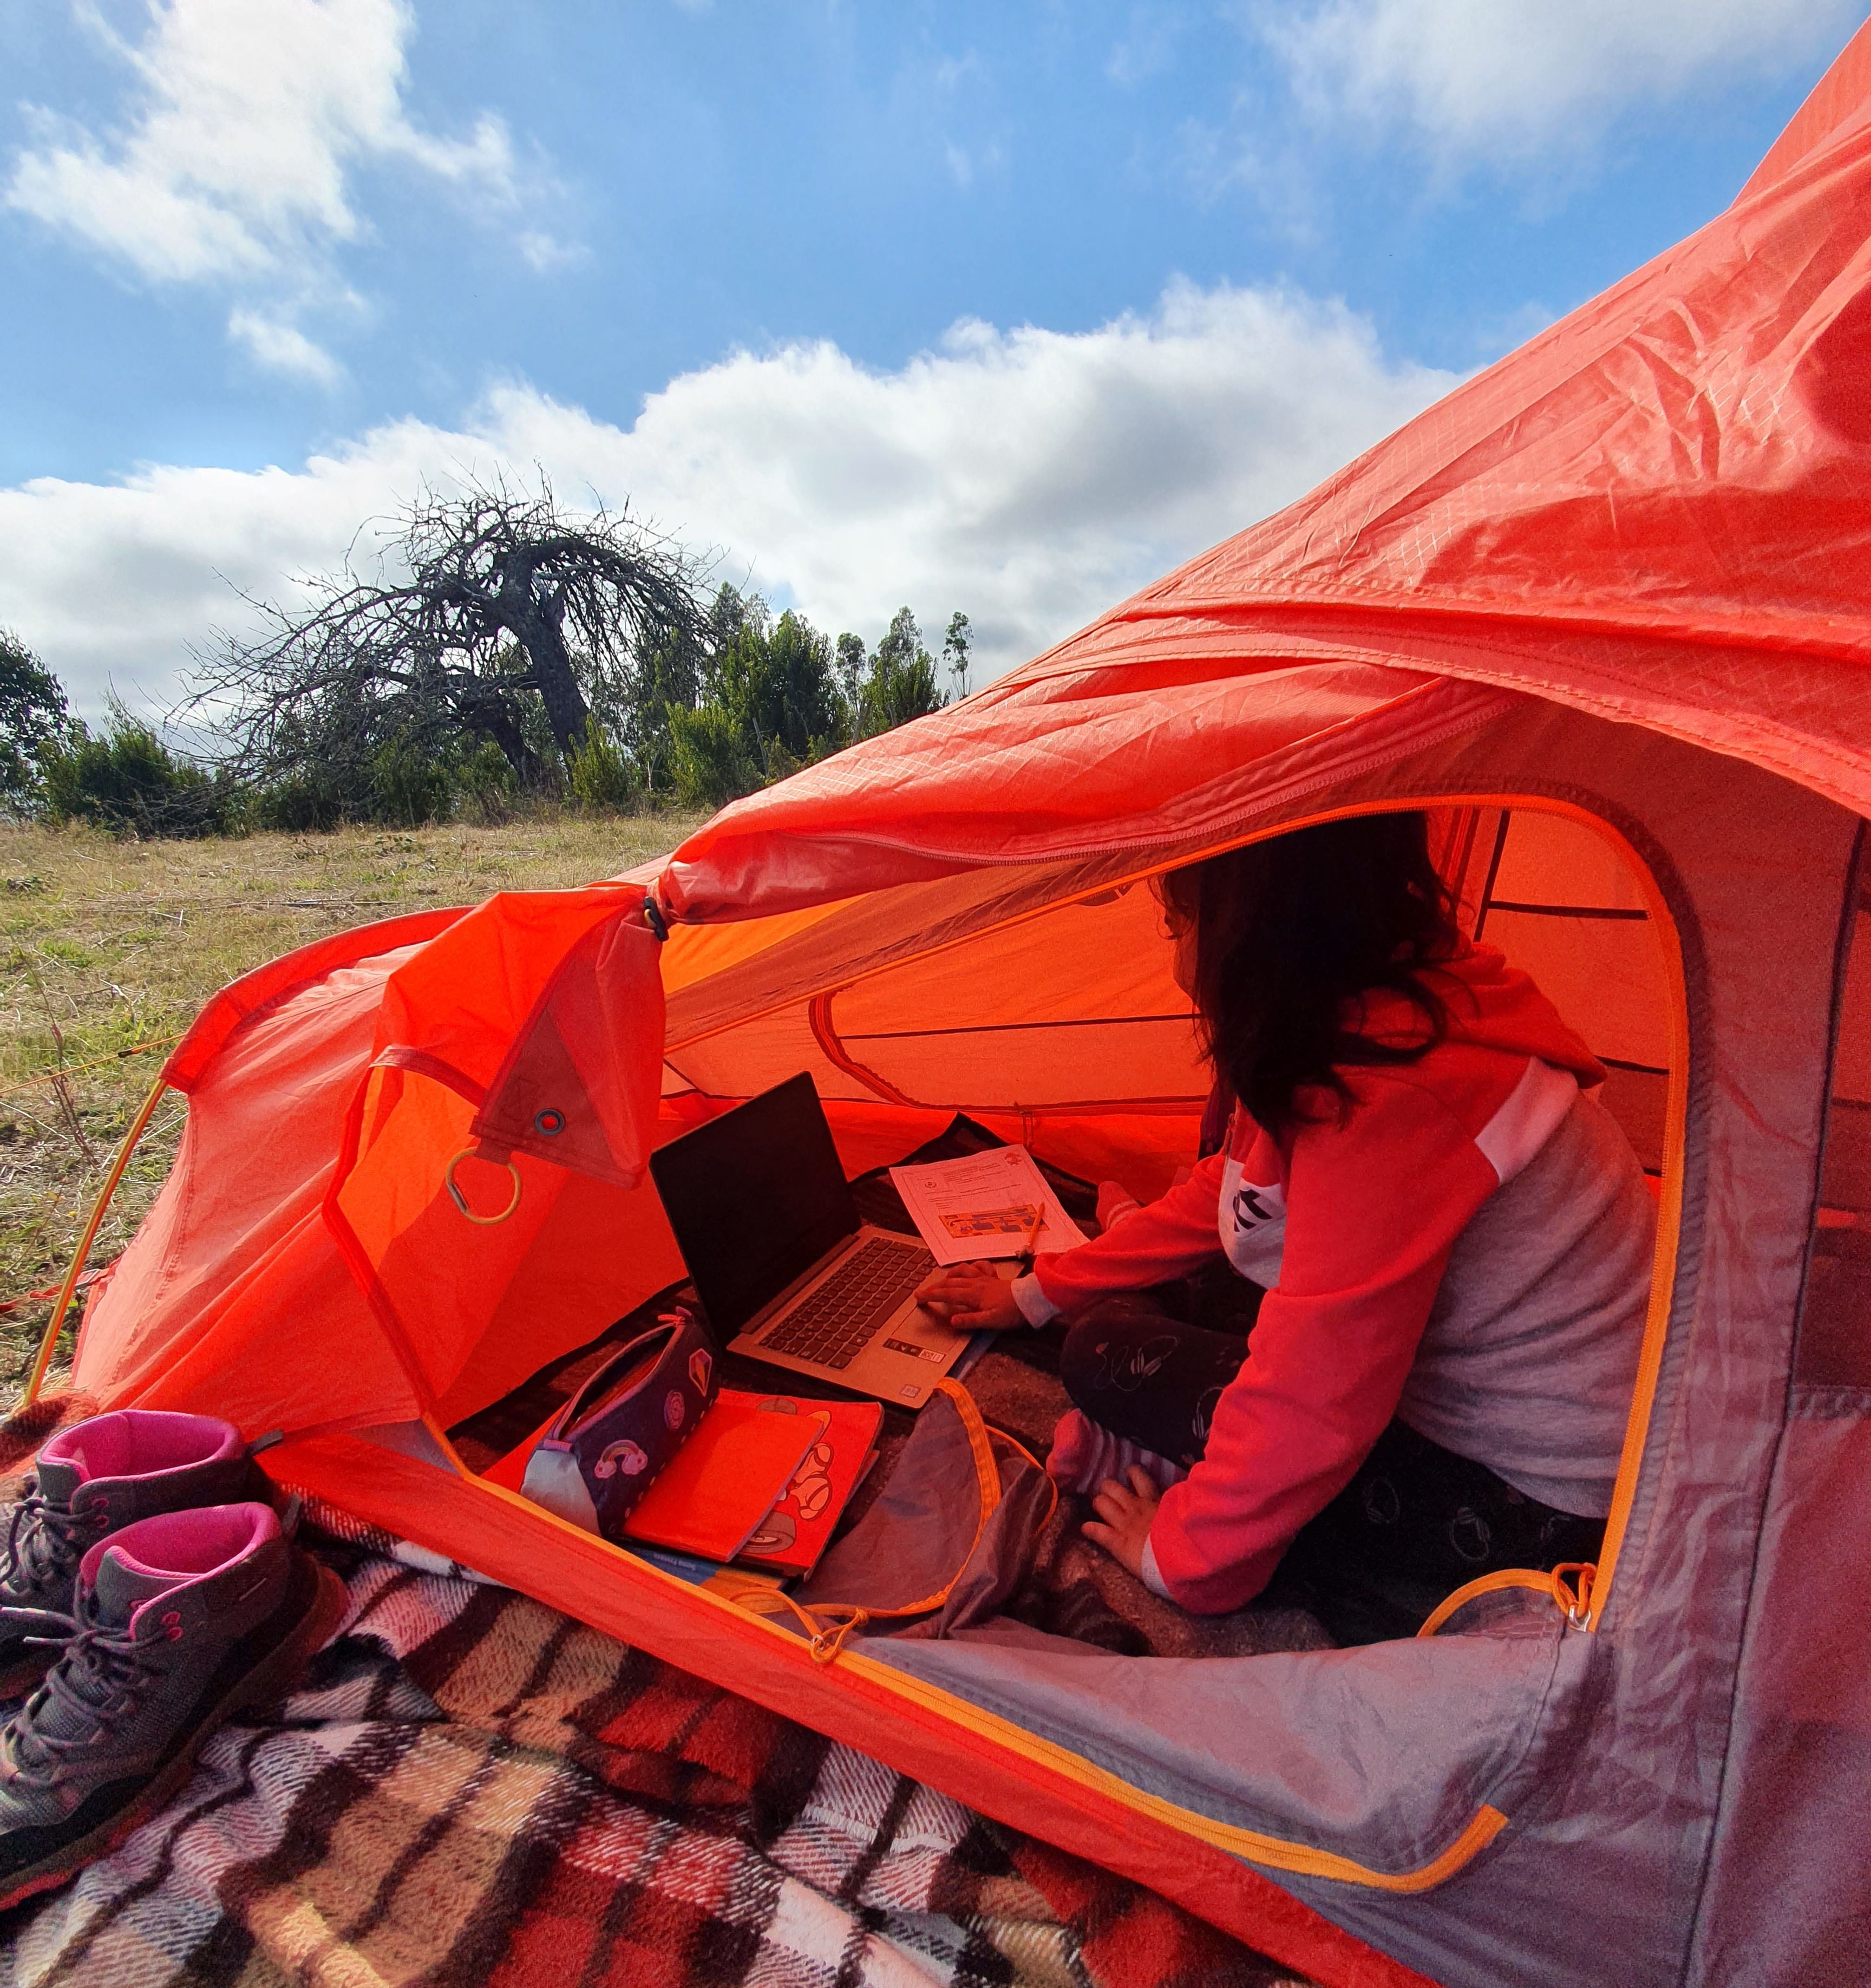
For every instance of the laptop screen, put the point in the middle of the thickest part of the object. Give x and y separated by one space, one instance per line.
755 1197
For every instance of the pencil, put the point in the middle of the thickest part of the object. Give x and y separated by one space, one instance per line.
1033 1234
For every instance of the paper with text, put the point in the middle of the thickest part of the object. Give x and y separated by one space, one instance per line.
983 1205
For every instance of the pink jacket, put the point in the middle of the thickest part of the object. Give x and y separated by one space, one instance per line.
1348 1220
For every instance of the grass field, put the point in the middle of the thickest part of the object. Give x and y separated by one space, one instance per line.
109 949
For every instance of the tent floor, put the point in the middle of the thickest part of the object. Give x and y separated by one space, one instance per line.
1072 1588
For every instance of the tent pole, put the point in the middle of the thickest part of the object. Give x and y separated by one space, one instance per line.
68 1289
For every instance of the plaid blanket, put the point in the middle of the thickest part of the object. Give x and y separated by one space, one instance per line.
470 1788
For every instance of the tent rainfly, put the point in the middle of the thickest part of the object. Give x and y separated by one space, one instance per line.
1603 611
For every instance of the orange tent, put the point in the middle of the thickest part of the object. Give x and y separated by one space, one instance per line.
1604 611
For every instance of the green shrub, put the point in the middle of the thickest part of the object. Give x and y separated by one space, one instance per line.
486 786
603 780
303 804
409 785
782 763
129 781
710 765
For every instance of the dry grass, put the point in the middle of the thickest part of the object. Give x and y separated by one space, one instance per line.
107 946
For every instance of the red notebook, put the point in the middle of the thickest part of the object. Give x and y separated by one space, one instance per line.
798 1527
711 1496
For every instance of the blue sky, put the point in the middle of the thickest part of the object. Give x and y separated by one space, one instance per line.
1000 307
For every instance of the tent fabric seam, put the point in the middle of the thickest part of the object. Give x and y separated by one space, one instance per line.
1467 721
1456 608
824 1032
1842 949
421 1063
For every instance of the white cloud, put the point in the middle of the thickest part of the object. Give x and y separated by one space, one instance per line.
234 166
1504 81
1030 477
544 253
965 165
1149 45
282 348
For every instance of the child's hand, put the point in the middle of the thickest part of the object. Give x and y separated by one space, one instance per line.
1128 1514
972 1298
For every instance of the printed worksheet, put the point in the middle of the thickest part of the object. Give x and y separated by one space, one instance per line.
985 1204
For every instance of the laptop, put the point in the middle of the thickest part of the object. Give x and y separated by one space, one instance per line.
783 1267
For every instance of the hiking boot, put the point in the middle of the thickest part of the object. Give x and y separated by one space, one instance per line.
177 1621
93 1479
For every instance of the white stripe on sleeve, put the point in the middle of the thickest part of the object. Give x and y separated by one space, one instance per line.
1152 1578
1035 1306
1528 1119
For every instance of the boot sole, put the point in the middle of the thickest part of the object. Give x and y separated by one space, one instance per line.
270 1678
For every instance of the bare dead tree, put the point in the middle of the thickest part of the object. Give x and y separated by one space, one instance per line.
488 598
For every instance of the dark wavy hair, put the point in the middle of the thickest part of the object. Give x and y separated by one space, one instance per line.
1290 932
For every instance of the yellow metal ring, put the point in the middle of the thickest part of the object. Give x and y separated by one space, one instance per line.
461 1200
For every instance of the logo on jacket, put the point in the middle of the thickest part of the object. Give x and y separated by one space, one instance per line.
1249 1208
1252 1219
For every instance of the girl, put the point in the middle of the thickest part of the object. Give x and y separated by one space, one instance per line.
1453 1236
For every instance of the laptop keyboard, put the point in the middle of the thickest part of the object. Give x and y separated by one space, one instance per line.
837 1321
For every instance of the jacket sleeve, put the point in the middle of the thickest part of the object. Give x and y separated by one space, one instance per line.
1166 1238
1374 1204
